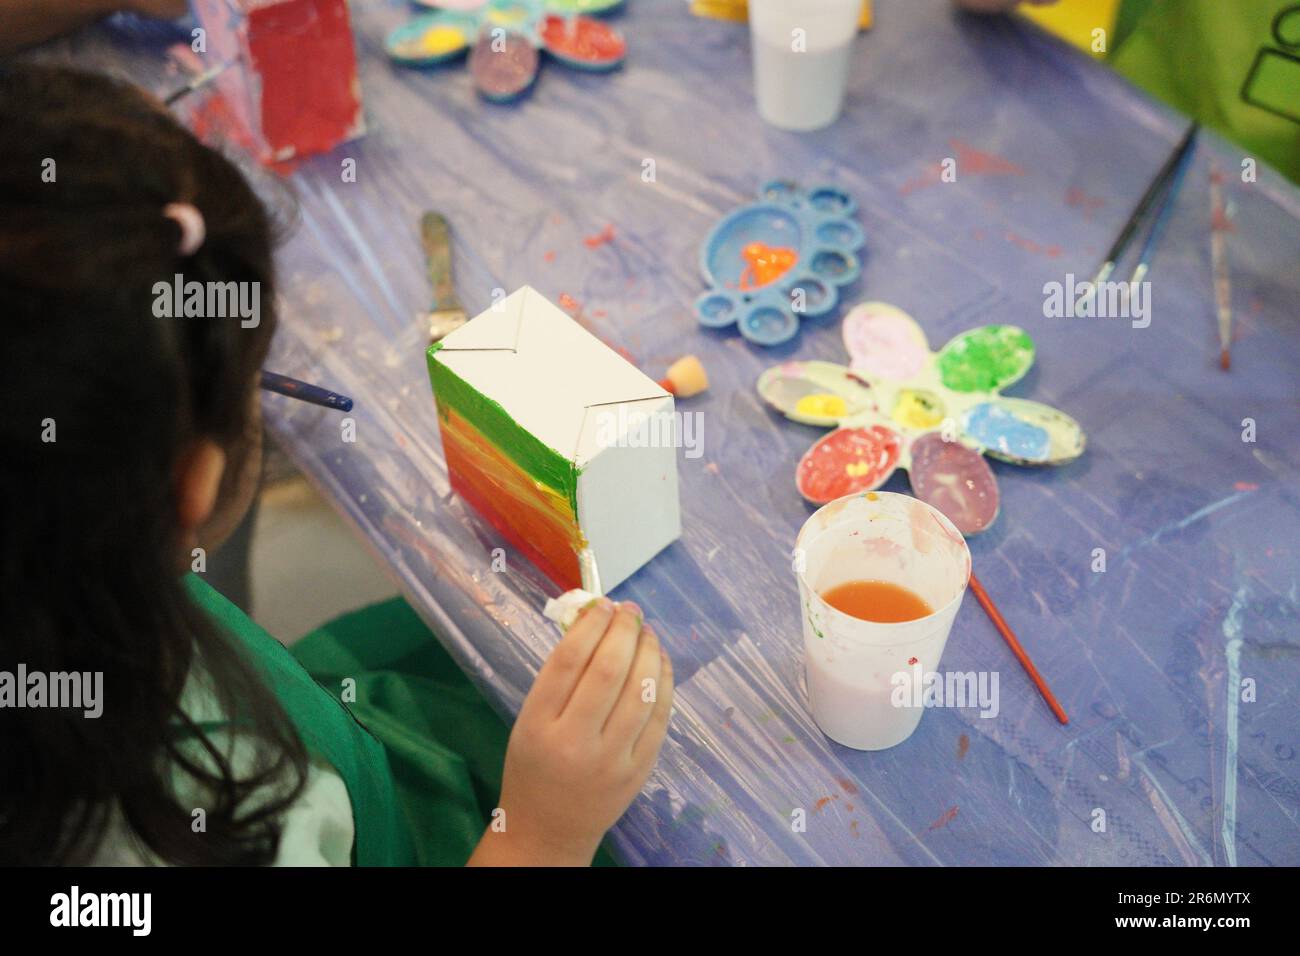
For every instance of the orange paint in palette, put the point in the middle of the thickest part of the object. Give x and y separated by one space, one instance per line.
880 601
765 264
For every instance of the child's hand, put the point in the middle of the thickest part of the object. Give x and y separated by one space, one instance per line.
586 739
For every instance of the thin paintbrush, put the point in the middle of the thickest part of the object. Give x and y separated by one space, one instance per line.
1167 202
1154 191
305 391
1219 224
1009 636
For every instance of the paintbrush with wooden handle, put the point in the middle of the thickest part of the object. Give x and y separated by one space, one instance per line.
1220 224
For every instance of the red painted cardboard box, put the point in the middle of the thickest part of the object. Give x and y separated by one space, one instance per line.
293 87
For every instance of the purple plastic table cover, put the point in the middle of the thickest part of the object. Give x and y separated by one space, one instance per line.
1198 527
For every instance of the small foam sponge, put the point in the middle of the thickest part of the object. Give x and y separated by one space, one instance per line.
686 377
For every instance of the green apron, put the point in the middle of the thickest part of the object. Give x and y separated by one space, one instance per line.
416 800
1235 66
419 748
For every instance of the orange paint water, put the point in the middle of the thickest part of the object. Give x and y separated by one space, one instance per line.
879 601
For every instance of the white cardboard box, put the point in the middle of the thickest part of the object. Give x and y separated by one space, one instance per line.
585 403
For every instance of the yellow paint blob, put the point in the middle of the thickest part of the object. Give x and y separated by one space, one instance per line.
821 405
916 409
440 40
872 496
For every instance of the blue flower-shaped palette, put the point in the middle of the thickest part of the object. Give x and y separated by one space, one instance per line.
786 256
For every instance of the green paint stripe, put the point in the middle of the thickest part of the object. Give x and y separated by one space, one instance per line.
536 459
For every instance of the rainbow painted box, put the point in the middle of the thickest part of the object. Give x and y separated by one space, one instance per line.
293 89
558 441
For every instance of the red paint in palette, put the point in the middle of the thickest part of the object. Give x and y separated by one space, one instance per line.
847 460
582 39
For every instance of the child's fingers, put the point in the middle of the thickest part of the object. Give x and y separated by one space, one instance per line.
647 745
594 697
564 668
635 701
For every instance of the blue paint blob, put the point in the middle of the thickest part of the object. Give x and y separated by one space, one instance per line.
998 429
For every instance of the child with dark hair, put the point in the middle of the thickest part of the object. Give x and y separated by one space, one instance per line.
129 440
27 22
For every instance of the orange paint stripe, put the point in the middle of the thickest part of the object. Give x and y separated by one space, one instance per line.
535 518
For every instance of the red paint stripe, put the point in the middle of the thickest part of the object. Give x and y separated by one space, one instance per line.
512 501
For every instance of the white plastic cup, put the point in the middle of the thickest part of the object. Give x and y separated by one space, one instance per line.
802 50
851 663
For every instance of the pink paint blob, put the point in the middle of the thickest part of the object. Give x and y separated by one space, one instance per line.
884 344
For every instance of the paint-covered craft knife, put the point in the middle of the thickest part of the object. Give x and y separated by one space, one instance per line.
446 315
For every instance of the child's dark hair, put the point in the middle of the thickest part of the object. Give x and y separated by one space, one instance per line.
89 553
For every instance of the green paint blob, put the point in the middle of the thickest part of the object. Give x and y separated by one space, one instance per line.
986 359
538 460
581 6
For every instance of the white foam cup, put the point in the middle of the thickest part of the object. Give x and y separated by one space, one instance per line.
856 669
802 50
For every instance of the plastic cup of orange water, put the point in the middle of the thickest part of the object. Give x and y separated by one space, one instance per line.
864 675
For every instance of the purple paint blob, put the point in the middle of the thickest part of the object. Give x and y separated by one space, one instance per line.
502 65
956 480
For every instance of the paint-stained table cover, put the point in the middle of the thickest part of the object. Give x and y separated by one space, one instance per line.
1198 528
